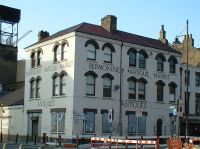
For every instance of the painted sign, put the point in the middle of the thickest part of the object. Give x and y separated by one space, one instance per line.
51 68
138 72
45 103
104 67
161 75
134 104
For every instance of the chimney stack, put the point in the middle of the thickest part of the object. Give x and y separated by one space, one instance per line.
191 41
109 23
42 34
163 35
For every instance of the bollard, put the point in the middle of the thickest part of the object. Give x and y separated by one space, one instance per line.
16 140
157 142
126 143
35 140
21 146
1 136
59 140
5 146
76 140
141 138
27 139
110 143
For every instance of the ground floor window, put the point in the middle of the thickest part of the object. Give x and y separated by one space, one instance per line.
90 120
106 125
136 125
57 122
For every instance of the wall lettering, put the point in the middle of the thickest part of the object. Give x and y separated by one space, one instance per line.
45 103
138 72
134 104
51 68
161 75
104 67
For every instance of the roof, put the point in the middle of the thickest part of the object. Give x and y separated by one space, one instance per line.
118 35
14 98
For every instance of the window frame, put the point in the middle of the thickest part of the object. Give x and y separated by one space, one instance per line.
38 88
32 89
90 50
107 54
142 62
93 84
33 60
92 122
63 84
57 123
130 88
143 96
55 85
133 58
107 89
107 130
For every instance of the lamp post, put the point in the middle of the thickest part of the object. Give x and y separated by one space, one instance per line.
187 81
1 111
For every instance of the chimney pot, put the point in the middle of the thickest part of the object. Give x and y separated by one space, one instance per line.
42 34
109 23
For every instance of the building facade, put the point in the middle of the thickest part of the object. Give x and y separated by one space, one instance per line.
97 80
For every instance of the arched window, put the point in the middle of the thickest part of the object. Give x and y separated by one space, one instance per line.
172 64
63 51
90 83
132 88
92 46
32 89
141 88
33 60
142 59
63 86
107 85
55 85
56 53
91 52
160 90
132 57
108 50
160 62
107 55
39 58
172 91
38 82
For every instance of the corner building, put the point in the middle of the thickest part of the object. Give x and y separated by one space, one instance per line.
77 78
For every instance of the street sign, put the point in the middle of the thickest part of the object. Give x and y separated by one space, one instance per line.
138 112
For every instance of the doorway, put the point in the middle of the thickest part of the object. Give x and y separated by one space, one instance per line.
159 127
34 127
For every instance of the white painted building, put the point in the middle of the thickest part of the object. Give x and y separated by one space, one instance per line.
76 76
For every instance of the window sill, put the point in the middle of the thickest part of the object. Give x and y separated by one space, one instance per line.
160 102
90 96
57 133
107 98
32 99
59 96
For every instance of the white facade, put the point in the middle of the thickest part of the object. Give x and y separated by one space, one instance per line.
75 102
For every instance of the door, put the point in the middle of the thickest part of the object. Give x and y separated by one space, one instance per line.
159 127
34 128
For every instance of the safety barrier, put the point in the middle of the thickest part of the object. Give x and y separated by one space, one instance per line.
191 142
109 141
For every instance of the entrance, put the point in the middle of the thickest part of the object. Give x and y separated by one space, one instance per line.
34 127
159 127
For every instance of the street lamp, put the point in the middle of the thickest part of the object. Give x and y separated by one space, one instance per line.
1 112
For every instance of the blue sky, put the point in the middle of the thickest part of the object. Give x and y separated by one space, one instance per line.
142 17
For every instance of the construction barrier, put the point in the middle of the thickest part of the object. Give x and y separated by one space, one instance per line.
174 143
109 141
191 142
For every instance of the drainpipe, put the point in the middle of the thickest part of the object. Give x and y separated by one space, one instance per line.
120 98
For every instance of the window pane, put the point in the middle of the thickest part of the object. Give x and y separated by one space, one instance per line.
90 85
91 52
90 122
63 84
197 104
38 88
159 92
132 89
55 86
107 83
33 59
64 52
141 91
107 55
61 122
53 122
131 123
142 61
197 79
106 126
132 59
32 89
142 124
172 66
160 64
